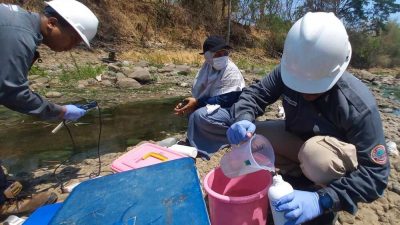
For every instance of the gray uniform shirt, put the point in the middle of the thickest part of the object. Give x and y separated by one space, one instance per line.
19 37
347 111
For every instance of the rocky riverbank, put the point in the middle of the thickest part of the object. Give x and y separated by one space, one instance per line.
126 81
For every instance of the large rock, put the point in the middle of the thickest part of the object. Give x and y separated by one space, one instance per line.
127 70
142 75
114 68
183 69
106 83
128 83
167 69
365 75
120 76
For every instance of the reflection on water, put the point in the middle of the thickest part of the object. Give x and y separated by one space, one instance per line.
392 91
26 143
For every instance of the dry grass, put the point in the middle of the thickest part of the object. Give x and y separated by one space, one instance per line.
159 57
385 71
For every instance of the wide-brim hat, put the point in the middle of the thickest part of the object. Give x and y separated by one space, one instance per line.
213 44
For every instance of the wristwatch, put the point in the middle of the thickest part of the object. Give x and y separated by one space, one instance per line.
325 201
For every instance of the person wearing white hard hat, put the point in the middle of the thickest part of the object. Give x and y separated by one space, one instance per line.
332 135
332 132
63 25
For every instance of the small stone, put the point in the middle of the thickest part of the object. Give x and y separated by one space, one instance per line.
53 94
184 84
346 218
383 218
395 188
33 77
106 83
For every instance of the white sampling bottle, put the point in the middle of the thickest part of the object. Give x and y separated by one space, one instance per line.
186 150
278 189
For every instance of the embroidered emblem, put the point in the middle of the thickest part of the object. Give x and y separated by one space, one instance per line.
378 155
290 101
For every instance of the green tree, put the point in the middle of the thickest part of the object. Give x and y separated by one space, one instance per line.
380 13
360 15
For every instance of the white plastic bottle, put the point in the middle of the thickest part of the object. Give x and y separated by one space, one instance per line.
278 189
186 150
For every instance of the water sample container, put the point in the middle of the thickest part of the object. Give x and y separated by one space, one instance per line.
248 157
237 201
278 189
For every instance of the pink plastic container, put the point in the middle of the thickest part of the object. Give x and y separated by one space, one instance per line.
238 201
144 155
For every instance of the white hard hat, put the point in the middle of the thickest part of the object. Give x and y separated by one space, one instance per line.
317 51
80 17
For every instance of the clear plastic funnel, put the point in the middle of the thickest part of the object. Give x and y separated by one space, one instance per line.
251 156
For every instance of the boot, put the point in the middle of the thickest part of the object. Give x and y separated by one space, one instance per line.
325 219
27 205
13 190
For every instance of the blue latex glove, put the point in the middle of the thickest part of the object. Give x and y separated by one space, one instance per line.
73 113
238 132
299 206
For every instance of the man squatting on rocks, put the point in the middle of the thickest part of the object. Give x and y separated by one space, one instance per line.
332 132
63 25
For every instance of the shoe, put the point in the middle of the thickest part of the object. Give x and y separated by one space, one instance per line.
184 142
28 204
328 218
13 190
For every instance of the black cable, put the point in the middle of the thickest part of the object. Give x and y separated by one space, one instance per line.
93 174
63 162
98 146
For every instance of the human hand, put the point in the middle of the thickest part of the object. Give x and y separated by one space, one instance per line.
187 106
299 206
240 131
73 113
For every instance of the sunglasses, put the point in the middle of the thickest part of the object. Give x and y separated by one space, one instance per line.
221 53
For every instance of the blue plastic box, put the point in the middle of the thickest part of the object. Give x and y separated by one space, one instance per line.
43 215
166 193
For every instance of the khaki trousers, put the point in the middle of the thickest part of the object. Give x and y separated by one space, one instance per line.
321 159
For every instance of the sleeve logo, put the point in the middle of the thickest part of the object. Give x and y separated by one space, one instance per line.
378 155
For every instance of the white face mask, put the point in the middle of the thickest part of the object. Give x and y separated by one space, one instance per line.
220 62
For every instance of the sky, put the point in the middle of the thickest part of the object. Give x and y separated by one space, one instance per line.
396 16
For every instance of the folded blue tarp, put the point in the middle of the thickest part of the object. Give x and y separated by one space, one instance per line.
166 193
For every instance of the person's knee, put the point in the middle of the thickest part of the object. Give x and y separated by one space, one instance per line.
199 115
323 159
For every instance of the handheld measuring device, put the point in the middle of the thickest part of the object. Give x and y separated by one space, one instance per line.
88 106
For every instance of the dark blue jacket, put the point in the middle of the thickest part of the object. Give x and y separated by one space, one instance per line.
19 37
348 112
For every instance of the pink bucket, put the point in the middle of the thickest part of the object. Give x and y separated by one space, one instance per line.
238 201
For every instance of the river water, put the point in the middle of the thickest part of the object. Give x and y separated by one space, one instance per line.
393 92
27 143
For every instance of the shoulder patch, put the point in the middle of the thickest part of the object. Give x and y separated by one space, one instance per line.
378 155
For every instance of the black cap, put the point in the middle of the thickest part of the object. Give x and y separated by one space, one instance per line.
213 44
